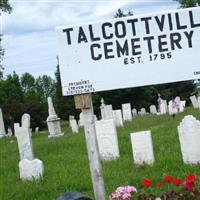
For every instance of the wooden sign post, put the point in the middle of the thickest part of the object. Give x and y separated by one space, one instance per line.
84 102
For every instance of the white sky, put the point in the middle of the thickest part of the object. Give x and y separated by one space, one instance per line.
29 37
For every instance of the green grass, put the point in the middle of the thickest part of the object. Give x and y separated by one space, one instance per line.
66 162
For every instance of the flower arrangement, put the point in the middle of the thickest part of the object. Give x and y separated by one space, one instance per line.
187 189
123 193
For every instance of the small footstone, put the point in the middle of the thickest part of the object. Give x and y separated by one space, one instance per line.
73 196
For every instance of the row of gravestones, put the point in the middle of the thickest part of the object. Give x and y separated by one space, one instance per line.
108 113
142 146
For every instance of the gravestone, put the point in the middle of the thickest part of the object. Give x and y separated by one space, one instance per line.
74 126
102 108
142 148
36 129
182 106
29 167
24 138
163 109
107 139
81 120
108 112
2 127
117 114
194 101
53 122
173 107
134 112
143 111
178 102
198 99
9 132
153 109
189 137
126 112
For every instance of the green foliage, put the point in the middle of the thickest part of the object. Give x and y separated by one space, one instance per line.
25 95
5 6
66 166
45 87
64 104
189 3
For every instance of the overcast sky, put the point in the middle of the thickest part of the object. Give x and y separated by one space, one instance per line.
29 37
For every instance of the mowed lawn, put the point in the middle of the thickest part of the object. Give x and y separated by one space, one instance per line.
66 162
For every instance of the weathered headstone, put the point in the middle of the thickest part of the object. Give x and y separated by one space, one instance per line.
108 112
134 112
126 112
142 148
117 114
81 120
163 109
143 111
29 167
198 99
2 127
189 137
9 132
53 121
107 139
173 107
182 106
194 101
74 126
153 109
36 129
178 102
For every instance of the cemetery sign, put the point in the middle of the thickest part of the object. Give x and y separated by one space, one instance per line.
131 51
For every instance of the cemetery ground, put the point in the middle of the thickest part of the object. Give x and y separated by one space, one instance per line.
66 162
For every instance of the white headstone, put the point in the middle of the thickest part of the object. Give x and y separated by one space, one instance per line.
153 109
117 114
173 107
37 130
9 132
81 120
182 106
142 148
198 99
74 126
107 139
189 137
194 101
31 169
108 112
163 109
126 112
178 102
134 112
143 111
53 122
2 127
51 107
24 138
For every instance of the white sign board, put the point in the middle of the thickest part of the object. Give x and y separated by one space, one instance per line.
131 51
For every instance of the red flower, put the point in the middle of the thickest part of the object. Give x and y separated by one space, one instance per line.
177 181
191 178
158 185
146 182
168 179
189 185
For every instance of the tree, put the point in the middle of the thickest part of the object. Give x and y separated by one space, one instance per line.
45 87
4 7
64 104
189 3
